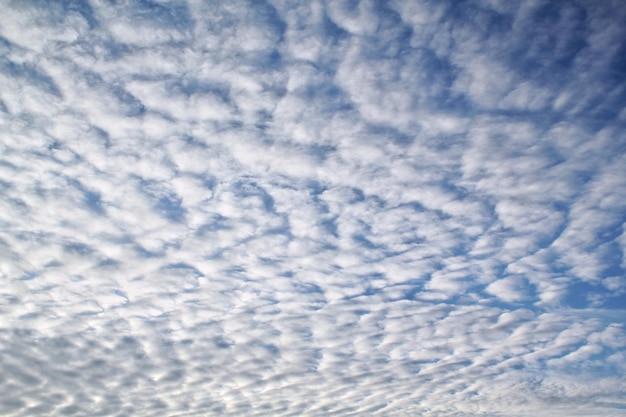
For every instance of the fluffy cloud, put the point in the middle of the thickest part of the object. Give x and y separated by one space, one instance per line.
312 208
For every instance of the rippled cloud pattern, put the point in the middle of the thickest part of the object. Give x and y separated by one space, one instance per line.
313 208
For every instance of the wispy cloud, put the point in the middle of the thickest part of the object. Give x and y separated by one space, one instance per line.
312 208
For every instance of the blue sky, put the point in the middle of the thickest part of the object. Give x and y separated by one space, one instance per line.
313 208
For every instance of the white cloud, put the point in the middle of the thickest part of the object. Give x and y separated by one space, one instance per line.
344 208
509 289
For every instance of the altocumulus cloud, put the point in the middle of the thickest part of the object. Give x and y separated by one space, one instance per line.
281 208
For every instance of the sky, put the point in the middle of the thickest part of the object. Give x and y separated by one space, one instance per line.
313 208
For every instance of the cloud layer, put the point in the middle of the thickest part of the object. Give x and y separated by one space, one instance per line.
312 208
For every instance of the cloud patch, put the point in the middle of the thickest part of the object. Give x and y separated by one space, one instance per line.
312 208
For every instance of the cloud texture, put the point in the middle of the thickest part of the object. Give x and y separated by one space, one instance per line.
286 208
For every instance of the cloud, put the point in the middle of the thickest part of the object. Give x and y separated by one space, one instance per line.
312 208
